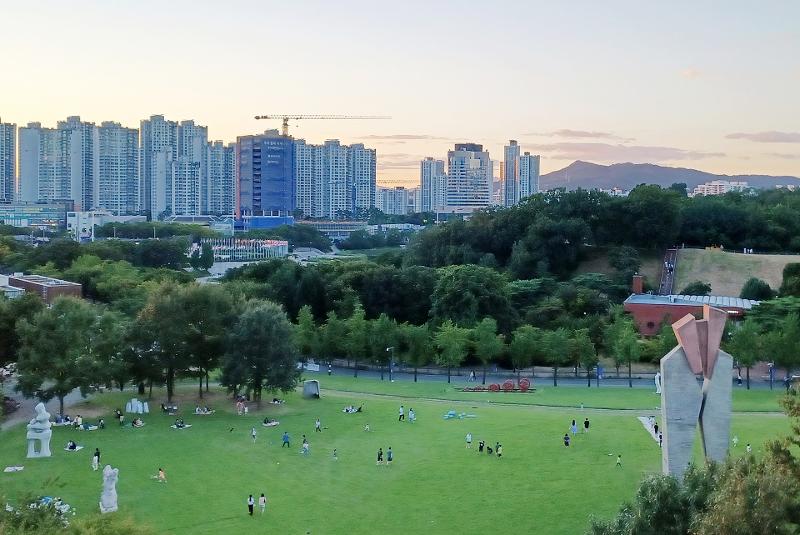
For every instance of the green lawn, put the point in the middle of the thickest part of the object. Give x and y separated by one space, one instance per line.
436 485
760 400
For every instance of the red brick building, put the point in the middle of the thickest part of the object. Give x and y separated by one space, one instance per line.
651 311
46 287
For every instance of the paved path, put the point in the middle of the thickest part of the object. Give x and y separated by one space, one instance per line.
26 411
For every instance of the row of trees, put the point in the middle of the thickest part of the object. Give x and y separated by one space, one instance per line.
182 331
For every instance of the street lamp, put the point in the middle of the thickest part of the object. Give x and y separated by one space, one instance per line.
390 362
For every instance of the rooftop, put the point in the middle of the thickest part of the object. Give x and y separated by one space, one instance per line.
44 281
692 300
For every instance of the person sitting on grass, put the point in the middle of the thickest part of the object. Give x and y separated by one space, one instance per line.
101 424
179 424
137 422
161 477
71 445
277 401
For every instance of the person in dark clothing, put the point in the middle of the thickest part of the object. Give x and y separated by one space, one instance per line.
566 440
481 445
586 425
250 503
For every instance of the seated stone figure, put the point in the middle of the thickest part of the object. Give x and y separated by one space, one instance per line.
108 499
39 430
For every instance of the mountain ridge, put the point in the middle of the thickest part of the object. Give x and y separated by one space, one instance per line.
588 175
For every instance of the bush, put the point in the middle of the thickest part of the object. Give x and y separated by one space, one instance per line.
697 288
757 290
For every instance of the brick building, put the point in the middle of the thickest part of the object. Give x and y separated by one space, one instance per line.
651 311
48 288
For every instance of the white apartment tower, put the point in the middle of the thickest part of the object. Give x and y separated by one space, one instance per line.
59 163
174 168
469 178
336 200
393 201
528 175
511 174
159 144
8 138
361 168
221 178
432 185
117 185
309 163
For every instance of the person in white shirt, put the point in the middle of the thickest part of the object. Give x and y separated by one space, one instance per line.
250 503
469 440
253 434
401 414
262 503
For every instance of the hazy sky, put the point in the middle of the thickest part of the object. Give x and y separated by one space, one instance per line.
713 85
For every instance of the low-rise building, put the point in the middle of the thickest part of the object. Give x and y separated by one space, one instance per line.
719 187
48 288
651 311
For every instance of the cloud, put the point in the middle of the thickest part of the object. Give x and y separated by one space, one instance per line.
690 73
401 137
767 137
784 155
569 133
607 152
398 160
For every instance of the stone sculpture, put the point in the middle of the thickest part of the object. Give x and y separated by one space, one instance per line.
657 380
108 499
39 431
685 402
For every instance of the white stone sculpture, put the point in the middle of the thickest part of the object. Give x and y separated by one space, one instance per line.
108 499
39 431
657 380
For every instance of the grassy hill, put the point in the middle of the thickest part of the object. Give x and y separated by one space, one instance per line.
727 272
596 261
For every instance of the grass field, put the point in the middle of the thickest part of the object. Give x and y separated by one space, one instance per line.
761 400
435 485
727 272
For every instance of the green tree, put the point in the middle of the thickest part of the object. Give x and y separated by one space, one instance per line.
260 354
487 343
306 335
110 345
783 343
383 339
55 354
333 337
206 257
12 311
584 352
466 294
357 342
555 345
790 285
747 345
525 343
452 342
757 290
697 288
418 345
628 350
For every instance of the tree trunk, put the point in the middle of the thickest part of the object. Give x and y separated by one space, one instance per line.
170 386
140 388
555 375
206 380
150 393
355 366
747 372
630 379
617 367
576 371
519 373
201 383
61 405
484 374
381 372
415 374
448 374
588 378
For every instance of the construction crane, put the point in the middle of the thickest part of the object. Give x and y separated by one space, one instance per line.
285 118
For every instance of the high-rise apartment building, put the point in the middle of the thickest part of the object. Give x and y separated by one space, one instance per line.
432 185
528 175
511 174
117 184
335 191
469 178
361 169
265 175
221 178
309 162
159 145
8 173
59 163
393 201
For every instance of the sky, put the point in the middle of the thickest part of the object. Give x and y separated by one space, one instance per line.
712 85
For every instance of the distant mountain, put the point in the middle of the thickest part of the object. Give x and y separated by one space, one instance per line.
626 176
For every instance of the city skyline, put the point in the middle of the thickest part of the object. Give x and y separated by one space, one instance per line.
680 84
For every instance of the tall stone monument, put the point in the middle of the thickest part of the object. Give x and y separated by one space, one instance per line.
39 431
685 401
108 499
